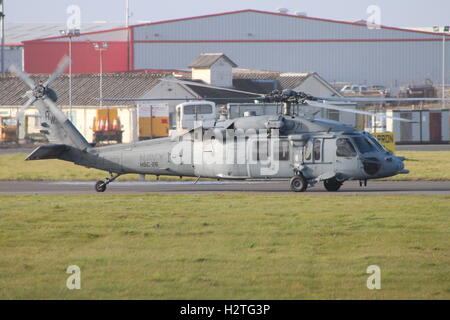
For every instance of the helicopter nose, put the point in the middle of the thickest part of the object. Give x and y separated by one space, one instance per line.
393 165
398 164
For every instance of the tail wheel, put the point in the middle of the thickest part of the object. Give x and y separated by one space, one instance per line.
298 184
332 184
100 186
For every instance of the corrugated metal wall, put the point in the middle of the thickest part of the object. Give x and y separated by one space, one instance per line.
337 51
260 40
13 56
42 56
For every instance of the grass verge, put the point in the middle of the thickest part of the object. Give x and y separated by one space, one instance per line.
234 246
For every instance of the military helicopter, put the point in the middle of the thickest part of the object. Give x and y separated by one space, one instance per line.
288 146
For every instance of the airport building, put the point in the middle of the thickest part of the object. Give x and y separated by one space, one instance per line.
337 50
210 76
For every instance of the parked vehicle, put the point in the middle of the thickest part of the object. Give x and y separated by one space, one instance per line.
354 89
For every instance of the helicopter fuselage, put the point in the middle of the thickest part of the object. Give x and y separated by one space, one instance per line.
260 147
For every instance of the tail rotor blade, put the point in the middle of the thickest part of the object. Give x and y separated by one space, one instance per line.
22 109
22 75
62 65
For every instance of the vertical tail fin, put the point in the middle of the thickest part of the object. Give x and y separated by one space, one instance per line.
56 126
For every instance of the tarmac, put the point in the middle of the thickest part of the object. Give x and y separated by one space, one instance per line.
213 187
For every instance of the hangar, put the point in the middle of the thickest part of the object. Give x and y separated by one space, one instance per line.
337 50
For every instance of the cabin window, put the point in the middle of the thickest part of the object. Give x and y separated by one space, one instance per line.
344 148
260 150
308 150
317 149
283 154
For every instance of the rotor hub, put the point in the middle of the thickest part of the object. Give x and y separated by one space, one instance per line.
288 96
39 91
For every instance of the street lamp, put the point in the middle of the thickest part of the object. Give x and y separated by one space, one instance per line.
444 35
70 33
100 48
2 25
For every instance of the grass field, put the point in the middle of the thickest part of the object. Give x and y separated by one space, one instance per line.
234 246
424 165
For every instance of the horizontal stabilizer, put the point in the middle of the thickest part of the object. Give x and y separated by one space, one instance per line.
47 152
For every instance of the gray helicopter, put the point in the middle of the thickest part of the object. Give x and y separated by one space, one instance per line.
299 148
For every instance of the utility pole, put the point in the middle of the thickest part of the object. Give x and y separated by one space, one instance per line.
70 33
2 22
100 48
444 35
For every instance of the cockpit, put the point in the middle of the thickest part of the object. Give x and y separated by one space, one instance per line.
365 143
372 153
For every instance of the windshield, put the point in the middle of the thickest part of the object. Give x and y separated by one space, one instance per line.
376 143
363 145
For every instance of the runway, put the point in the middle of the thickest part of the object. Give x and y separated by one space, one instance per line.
208 187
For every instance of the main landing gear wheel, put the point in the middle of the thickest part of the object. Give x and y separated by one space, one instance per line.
100 186
298 184
332 184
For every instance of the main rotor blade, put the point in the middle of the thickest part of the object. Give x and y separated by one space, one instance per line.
62 65
344 99
22 75
177 99
331 107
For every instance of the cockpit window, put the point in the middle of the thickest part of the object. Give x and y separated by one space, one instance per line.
376 143
345 148
363 145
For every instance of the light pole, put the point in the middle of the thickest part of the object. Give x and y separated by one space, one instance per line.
100 48
70 33
2 22
444 35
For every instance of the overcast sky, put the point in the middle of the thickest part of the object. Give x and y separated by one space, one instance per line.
406 13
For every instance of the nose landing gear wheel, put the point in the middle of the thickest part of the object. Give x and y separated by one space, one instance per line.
298 184
100 186
332 184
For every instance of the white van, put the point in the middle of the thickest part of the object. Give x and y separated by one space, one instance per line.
191 114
